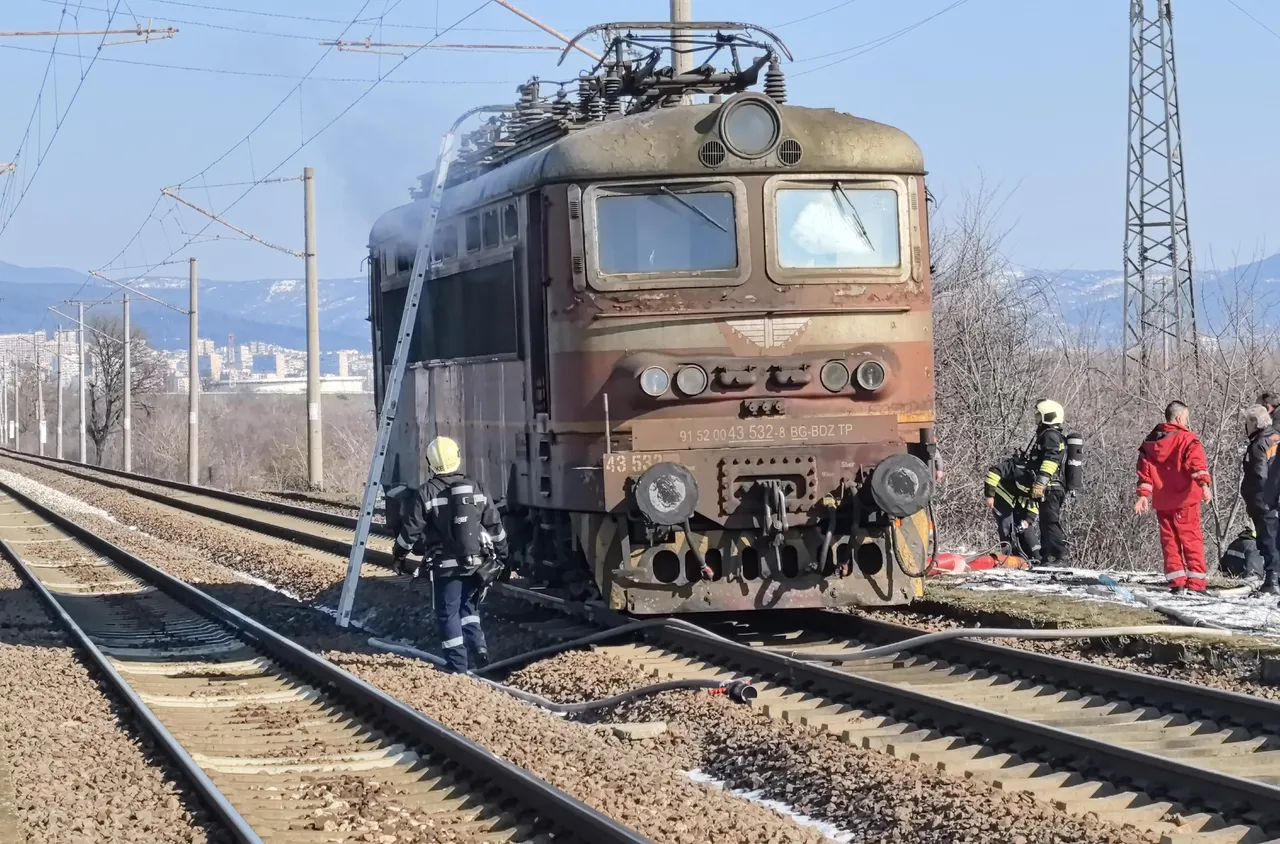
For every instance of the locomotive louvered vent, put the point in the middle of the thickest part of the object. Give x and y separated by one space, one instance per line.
575 208
790 152
712 154
579 266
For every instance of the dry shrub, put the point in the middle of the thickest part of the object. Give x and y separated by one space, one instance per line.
253 442
1002 343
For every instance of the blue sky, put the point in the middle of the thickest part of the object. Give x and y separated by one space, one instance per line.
1026 96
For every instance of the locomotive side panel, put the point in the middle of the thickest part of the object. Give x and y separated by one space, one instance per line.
479 404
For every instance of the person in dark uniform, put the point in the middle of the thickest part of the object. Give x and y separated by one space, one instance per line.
1260 491
1044 461
1242 558
1009 500
451 517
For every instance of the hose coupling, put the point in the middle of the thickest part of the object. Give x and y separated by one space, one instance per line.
739 691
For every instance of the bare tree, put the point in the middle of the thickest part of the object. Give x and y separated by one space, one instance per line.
105 405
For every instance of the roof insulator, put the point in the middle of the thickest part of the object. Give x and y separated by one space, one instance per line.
775 82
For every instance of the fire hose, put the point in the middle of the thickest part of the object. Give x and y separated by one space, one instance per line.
740 691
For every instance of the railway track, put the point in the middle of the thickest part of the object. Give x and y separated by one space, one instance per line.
1191 763
1194 764
319 529
281 744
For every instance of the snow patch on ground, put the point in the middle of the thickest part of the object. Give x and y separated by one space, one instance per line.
50 497
1247 613
829 830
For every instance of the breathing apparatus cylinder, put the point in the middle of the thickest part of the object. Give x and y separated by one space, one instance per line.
1073 474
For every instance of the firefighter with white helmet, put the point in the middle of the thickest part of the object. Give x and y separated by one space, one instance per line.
1046 458
460 527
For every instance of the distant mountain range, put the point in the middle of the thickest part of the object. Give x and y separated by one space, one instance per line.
264 310
1096 297
273 310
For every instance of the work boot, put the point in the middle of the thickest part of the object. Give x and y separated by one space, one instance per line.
1177 590
1270 586
479 660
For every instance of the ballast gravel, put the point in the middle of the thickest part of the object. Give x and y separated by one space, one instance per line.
393 609
807 770
629 781
80 769
639 783
876 797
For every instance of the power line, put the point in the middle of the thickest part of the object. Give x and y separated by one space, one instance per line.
236 146
867 47
283 100
309 19
41 155
290 156
1250 16
815 14
262 74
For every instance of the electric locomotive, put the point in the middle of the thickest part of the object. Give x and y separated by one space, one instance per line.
684 328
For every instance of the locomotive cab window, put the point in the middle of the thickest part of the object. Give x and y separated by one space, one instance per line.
446 245
838 226
510 222
473 233
489 226
678 233
404 258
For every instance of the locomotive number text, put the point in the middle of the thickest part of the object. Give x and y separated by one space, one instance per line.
767 433
684 434
626 463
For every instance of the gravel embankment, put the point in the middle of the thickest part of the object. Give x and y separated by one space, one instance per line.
877 797
80 768
633 783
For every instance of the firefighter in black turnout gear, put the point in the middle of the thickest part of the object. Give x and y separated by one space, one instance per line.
1017 513
461 529
1046 458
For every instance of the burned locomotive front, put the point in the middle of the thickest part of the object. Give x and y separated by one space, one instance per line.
756 338
719 393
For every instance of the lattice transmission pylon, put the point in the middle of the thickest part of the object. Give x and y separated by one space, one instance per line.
1159 301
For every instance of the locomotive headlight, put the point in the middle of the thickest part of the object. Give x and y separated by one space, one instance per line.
691 380
834 376
655 381
750 126
870 375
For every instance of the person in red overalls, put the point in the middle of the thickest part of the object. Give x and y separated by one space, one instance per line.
1173 479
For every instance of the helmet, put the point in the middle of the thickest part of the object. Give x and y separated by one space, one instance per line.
1049 412
443 456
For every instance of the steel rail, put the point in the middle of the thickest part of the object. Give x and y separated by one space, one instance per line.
551 804
1229 795
209 793
1085 754
263 525
284 508
1168 694
1098 759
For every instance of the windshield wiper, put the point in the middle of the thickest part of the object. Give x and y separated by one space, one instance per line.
695 209
838 188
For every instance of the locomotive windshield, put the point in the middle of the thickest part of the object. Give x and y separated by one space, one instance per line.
665 230
837 226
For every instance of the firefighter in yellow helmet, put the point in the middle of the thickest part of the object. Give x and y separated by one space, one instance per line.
461 531
1045 459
